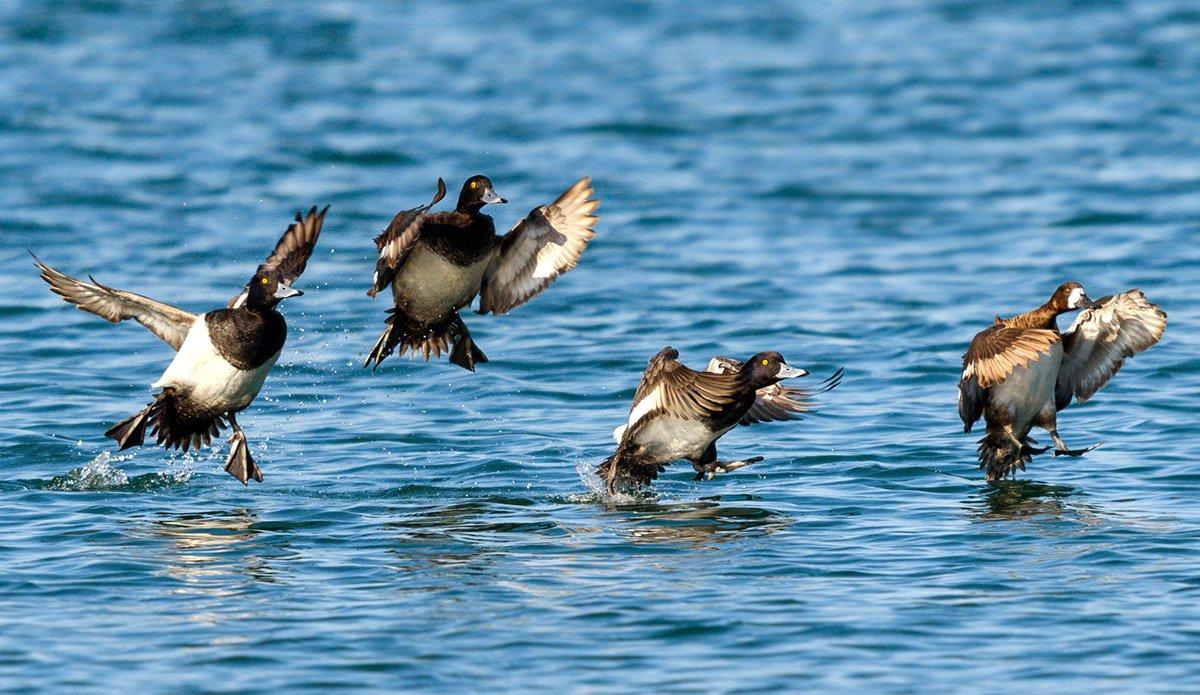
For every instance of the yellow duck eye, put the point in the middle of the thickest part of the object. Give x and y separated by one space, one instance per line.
474 184
265 281
766 362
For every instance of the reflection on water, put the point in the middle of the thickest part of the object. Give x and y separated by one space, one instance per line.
699 524
207 551
1025 499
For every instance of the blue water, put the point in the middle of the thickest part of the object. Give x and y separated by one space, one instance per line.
851 183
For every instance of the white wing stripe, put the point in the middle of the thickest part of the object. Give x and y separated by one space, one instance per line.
645 406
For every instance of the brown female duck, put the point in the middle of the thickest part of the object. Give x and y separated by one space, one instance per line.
1021 371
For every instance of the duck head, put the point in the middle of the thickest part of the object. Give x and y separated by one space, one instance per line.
265 290
476 193
1069 297
767 368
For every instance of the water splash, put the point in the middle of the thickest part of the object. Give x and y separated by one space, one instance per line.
597 492
100 474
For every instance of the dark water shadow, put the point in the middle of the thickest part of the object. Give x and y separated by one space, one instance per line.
704 523
467 534
1013 500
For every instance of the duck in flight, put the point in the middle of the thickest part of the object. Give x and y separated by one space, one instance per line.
1020 371
680 413
437 263
222 357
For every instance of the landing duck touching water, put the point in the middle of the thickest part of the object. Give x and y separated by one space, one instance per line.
222 356
1021 371
437 263
679 413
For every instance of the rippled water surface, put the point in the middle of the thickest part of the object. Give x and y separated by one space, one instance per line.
851 183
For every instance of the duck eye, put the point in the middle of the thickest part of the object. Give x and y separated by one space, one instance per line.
265 281
474 184
766 362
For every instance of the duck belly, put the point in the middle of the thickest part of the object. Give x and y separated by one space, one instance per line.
1028 390
206 380
429 287
665 439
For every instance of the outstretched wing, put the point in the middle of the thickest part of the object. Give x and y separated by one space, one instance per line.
544 245
397 240
290 256
993 355
1101 339
169 323
668 387
777 402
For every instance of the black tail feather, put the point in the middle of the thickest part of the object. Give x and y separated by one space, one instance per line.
449 335
617 470
172 423
999 456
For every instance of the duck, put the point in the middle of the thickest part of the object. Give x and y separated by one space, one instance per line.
679 413
438 263
1021 371
222 357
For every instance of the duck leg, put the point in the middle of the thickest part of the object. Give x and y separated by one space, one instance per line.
466 353
1060 448
707 466
240 464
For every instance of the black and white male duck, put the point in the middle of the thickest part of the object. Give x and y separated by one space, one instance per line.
679 413
222 356
1021 371
437 263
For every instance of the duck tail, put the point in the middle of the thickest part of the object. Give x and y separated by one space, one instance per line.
999 455
449 335
174 425
618 469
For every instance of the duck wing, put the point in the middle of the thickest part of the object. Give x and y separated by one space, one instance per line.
1101 339
777 402
171 324
993 355
539 248
669 387
290 255
398 239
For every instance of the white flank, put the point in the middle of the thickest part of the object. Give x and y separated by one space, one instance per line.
208 381
619 432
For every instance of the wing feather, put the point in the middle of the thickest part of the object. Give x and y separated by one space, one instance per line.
170 324
290 256
669 387
398 239
993 355
539 248
1101 339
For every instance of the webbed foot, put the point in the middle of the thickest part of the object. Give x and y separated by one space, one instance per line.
1075 452
708 471
240 464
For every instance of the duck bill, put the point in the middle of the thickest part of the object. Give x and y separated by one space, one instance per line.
285 290
788 372
1085 303
490 197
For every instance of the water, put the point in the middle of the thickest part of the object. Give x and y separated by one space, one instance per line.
861 184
